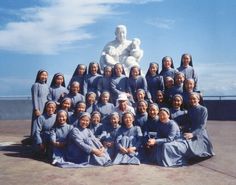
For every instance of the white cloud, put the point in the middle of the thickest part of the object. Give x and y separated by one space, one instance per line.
55 26
217 78
161 23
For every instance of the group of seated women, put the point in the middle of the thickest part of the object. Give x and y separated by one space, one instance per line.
113 119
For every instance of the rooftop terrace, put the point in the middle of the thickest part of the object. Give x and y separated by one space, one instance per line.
17 166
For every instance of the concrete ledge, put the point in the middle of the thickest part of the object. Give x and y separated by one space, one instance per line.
22 109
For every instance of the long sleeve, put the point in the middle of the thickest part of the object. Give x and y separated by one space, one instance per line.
38 130
34 92
78 138
172 131
202 120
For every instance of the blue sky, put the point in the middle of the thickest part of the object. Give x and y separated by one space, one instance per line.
56 35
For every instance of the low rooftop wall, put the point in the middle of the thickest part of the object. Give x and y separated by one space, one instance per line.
22 109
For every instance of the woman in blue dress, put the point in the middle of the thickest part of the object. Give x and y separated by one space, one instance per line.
43 125
169 149
169 87
141 114
109 134
80 107
95 124
91 102
155 81
177 113
84 147
168 67
59 137
92 78
161 99
140 96
66 105
39 93
104 83
128 141
120 84
189 86
104 106
137 81
57 88
79 76
178 87
197 137
186 67
74 94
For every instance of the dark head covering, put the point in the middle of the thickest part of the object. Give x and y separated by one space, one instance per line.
53 82
38 75
77 68
152 63
191 60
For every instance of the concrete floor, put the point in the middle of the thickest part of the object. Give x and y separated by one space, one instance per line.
17 167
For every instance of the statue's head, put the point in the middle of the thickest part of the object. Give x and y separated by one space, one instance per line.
121 32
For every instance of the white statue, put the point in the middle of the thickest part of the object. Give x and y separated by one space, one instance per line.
122 51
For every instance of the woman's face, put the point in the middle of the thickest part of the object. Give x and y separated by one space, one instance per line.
135 72
75 88
81 108
123 104
153 69
189 85
140 95
51 108
179 79
81 70
95 119
105 97
193 100
108 72
118 70
43 76
91 99
167 63
128 120
153 111
177 102
186 60
163 116
66 104
114 121
84 121
59 80
94 69
160 97
61 118
142 107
